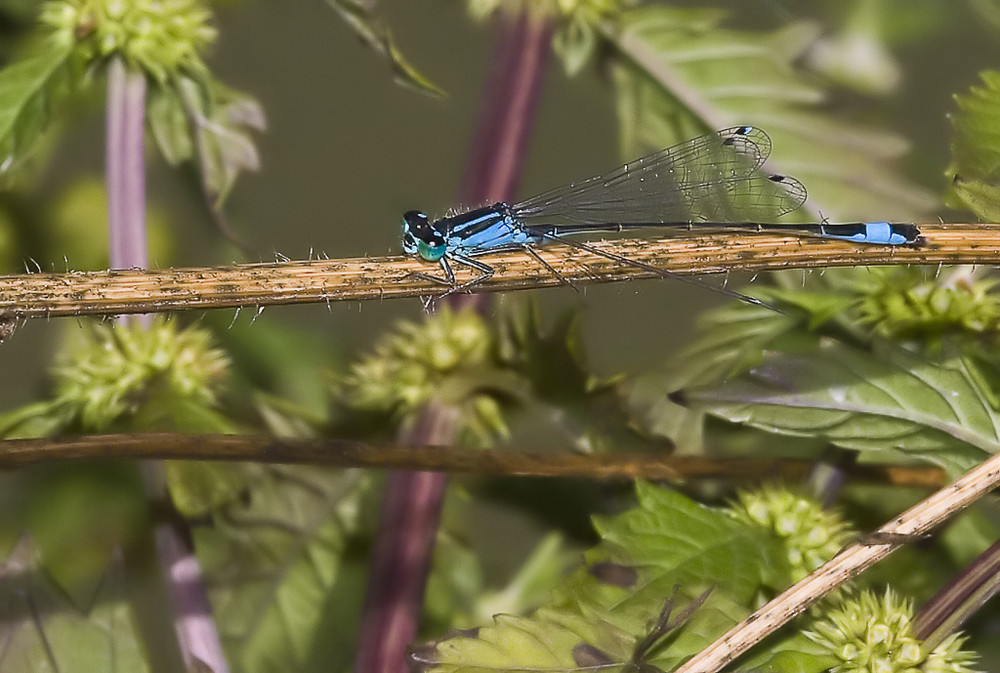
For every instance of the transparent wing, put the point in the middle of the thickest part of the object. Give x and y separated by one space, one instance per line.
712 178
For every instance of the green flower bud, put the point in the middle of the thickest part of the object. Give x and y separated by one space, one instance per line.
957 302
111 371
868 633
813 535
160 37
440 359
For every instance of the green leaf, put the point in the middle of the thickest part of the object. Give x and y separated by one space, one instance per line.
733 338
209 124
371 31
565 395
793 654
81 516
29 91
222 117
679 74
530 587
169 124
880 401
669 539
274 562
37 419
975 149
574 43
43 631
198 488
599 615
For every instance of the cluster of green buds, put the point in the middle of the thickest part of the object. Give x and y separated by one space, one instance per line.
564 9
160 37
112 371
448 359
867 633
958 302
576 23
812 535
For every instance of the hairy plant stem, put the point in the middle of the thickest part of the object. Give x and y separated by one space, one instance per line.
48 295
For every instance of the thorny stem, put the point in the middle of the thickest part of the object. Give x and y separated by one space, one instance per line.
44 295
412 508
198 638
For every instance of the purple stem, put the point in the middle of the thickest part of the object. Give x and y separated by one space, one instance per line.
960 599
197 635
126 170
411 510
198 638
506 118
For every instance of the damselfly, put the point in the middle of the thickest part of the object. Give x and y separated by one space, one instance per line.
714 181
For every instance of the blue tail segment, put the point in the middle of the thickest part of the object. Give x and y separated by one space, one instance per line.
873 233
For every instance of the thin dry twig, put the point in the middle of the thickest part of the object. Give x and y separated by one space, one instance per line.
912 524
298 282
348 453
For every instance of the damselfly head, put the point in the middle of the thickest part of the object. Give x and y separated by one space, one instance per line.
421 238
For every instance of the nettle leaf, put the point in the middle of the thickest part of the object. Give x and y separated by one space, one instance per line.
29 90
209 124
669 539
883 400
44 631
275 562
667 546
680 74
733 338
975 166
373 33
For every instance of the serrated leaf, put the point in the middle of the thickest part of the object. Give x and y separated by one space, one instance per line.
29 90
667 543
669 539
881 401
981 198
733 338
371 31
681 73
42 631
275 564
975 149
